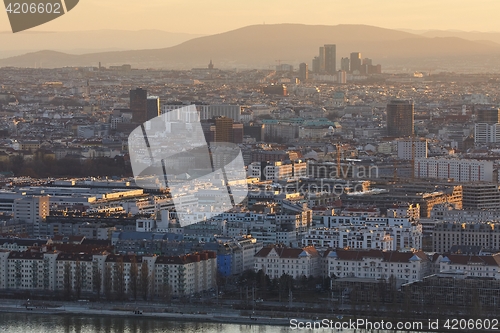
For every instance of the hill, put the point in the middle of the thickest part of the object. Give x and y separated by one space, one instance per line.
261 46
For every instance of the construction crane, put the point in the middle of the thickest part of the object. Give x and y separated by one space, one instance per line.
340 149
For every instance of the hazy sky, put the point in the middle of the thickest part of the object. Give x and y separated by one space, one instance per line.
213 16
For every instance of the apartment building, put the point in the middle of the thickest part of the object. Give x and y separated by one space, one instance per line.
403 232
411 149
461 170
296 262
184 275
236 255
472 266
484 234
82 273
354 238
376 264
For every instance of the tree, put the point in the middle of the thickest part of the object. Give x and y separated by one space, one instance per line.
97 280
145 279
119 278
17 164
67 280
78 279
108 282
134 277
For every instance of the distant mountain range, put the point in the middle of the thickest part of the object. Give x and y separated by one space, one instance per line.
80 42
264 46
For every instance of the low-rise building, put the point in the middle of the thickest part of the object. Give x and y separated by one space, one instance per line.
375 264
296 262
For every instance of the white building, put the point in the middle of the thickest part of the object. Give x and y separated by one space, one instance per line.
32 209
277 171
216 110
461 170
172 276
486 133
472 266
404 232
354 238
296 262
409 149
376 264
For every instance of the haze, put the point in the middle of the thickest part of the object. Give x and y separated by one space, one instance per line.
215 16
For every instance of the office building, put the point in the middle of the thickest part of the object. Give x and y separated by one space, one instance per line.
486 133
303 72
488 115
355 62
315 65
484 234
322 58
223 129
345 64
153 107
139 105
400 118
480 196
330 58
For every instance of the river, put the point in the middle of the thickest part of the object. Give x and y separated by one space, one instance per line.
37 323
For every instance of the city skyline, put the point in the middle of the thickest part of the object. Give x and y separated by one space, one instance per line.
221 15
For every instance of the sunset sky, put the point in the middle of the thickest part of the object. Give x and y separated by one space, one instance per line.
214 16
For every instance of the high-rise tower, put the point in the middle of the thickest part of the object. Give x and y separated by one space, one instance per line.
330 58
355 61
139 105
303 72
400 118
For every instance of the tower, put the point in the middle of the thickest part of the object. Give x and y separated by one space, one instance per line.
400 118
345 64
303 72
153 107
330 58
488 115
355 61
223 129
315 65
139 105
322 58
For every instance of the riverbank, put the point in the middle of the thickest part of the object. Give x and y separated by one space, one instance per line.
229 317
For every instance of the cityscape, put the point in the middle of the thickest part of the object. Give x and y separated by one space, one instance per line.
324 188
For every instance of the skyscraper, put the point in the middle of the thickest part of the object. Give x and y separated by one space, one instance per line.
153 107
488 115
315 65
223 129
322 58
355 61
330 58
400 115
303 72
139 105
345 64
